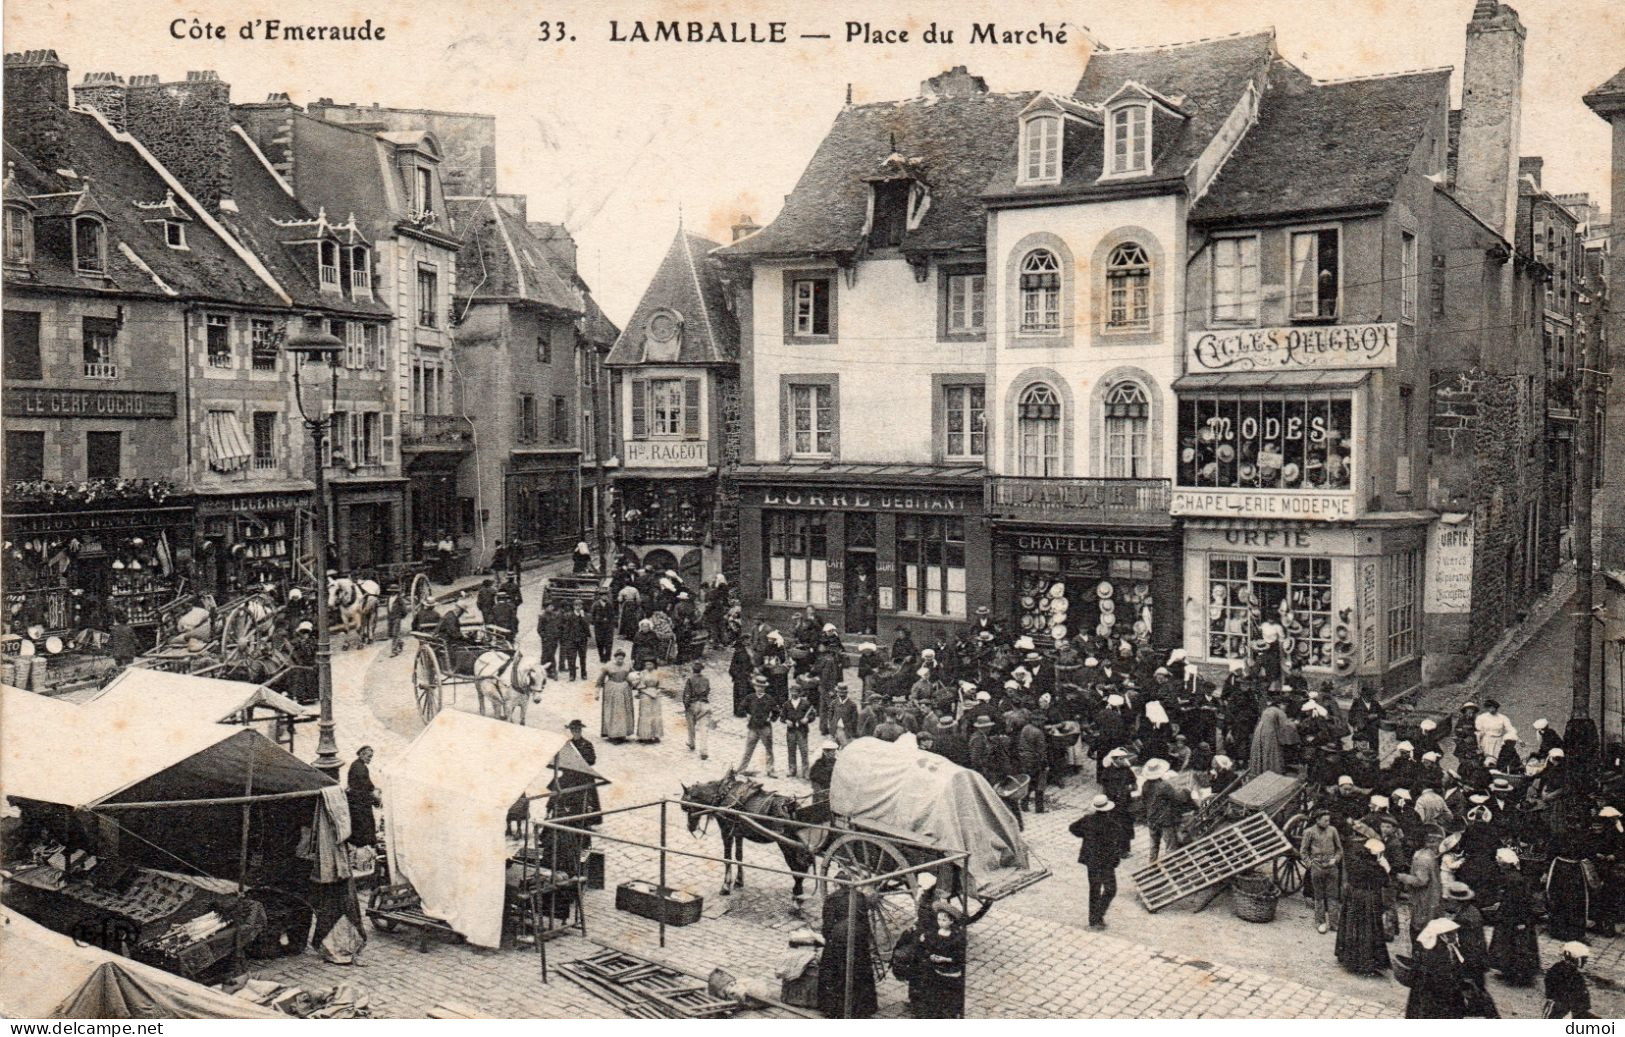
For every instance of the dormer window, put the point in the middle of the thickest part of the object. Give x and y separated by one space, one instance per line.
891 214
424 194
1041 149
360 275
1130 145
330 264
19 235
89 245
175 234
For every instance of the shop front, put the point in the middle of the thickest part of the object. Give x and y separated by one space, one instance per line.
368 521
247 539
543 496
1053 582
667 519
870 548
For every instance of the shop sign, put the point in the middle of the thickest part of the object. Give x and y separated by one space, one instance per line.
859 500
1324 507
666 454
255 502
1368 610
84 522
1311 348
1449 584
1117 547
28 402
1111 501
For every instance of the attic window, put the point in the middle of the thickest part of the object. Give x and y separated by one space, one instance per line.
891 214
175 234
424 195
360 278
1130 145
1041 149
19 235
89 245
330 264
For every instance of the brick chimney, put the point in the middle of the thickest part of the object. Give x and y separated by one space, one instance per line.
1491 115
36 109
105 92
745 227
186 126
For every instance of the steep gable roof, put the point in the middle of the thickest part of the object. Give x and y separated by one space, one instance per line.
958 142
1324 146
686 283
508 262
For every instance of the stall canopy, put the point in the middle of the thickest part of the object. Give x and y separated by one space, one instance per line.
207 699
55 752
52 977
899 788
446 808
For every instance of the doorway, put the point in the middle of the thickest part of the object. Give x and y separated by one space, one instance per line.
860 592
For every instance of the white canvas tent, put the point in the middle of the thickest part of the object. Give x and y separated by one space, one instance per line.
49 976
207 699
446 807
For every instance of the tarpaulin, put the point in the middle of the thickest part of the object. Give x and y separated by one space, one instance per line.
207 699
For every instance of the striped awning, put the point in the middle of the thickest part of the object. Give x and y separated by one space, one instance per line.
229 449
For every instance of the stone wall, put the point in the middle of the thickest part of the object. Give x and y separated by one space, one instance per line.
187 127
730 430
36 107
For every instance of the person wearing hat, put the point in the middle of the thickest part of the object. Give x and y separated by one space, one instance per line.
1437 978
362 795
1568 894
576 795
828 667
1514 948
983 624
1164 806
1461 907
939 989
760 713
741 668
302 682
697 708
1116 778
1549 738
1100 850
1032 757
1111 727
847 717
601 617
1428 737
823 769
1271 736
1366 714
1362 940
799 713
983 759
1567 996
948 742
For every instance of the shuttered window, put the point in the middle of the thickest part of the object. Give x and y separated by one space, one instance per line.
691 408
640 411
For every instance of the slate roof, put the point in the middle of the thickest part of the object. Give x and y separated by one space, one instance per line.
1613 90
1320 147
509 263
687 282
959 140
1204 78
261 202
596 327
119 179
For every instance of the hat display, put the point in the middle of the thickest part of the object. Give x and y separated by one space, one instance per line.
1103 589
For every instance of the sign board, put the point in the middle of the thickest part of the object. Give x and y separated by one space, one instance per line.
933 501
1315 347
30 402
1449 584
666 453
1279 504
1369 609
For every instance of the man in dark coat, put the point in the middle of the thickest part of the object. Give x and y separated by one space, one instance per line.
1032 758
603 626
503 615
949 743
1099 852
362 796
1365 716
823 769
573 634
549 628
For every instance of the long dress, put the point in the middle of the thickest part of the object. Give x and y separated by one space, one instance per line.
1362 943
940 990
1436 984
617 701
1568 900
1266 754
651 712
1514 950
359 792
832 966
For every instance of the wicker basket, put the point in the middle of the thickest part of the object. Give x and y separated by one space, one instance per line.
1253 897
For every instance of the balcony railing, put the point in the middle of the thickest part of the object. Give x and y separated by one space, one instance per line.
1111 502
100 370
436 432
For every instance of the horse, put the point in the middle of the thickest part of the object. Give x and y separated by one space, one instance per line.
357 604
509 685
733 792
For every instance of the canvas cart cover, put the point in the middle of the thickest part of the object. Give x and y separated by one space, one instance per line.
899 788
202 698
446 804
48 976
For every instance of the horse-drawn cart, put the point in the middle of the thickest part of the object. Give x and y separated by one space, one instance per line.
240 640
486 659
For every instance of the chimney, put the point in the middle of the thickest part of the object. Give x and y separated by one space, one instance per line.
1529 167
956 82
1491 115
187 127
36 108
745 227
103 91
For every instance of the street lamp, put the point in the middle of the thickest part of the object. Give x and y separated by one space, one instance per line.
315 345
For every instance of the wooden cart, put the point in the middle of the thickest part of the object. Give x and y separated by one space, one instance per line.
439 666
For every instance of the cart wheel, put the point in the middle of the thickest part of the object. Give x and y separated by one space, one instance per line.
891 904
1289 871
418 591
426 682
236 633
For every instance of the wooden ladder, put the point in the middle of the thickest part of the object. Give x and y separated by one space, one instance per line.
1210 860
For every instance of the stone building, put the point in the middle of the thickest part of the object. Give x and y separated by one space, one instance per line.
1608 101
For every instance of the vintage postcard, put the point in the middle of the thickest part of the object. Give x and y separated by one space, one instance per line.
724 509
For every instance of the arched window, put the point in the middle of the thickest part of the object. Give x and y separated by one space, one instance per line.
1131 139
1128 428
1040 293
1041 149
89 245
1128 288
1038 430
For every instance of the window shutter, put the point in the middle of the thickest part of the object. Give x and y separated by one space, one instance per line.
387 423
691 408
640 417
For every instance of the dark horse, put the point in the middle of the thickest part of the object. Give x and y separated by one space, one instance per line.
738 793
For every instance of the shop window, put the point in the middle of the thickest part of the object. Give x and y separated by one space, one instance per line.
964 409
217 339
20 348
529 429
428 297
1038 431
1041 149
931 565
1235 280
812 420
809 311
1286 442
1128 288
1083 594
1040 293
1316 275
1245 591
99 336
797 557
1407 276
25 456
1128 428
1130 139
265 439
1403 577
19 235
262 345
89 245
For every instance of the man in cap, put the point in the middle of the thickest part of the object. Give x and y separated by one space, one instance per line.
845 718
799 713
1099 851
697 709
759 717
823 768
949 743
1322 848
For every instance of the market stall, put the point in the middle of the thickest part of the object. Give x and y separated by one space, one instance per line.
205 699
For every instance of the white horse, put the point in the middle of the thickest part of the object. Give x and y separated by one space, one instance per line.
508 683
357 605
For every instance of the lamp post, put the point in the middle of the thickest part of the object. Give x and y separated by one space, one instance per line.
307 346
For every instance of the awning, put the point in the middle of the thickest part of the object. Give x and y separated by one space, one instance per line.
1237 380
204 699
229 449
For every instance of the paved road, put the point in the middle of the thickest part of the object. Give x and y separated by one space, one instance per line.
1031 957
